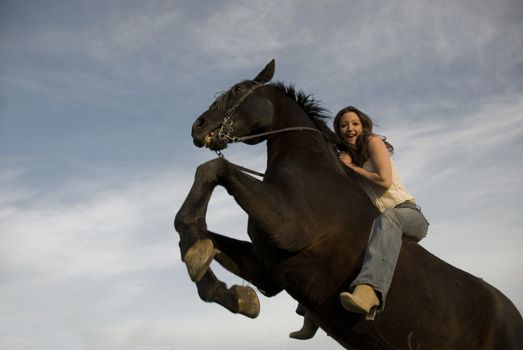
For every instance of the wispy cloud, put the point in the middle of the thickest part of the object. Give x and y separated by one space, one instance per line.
97 242
70 233
487 132
238 31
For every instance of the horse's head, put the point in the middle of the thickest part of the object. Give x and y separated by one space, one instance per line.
235 113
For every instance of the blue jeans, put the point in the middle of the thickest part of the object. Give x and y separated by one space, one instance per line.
384 245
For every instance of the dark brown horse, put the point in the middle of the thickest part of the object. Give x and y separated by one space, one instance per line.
309 223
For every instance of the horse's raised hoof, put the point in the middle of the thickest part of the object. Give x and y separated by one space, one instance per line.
198 258
248 302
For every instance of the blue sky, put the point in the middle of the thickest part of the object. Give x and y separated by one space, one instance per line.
96 103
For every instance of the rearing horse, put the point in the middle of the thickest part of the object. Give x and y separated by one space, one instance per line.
309 223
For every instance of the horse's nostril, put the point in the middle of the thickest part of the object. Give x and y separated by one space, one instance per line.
198 123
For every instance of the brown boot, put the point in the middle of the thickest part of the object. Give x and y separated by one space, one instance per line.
362 301
307 331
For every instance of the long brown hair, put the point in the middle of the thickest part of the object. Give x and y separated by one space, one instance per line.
359 152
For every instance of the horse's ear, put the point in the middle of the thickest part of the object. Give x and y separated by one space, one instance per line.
267 73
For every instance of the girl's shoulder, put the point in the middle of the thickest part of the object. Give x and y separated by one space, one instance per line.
380 140
377 145
375 140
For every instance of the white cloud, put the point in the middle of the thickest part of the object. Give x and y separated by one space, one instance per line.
247 34
96 234
17 343
115 37
130 35
84 252
269 331
487 133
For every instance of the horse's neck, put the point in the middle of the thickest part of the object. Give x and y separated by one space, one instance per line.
298 147
301 145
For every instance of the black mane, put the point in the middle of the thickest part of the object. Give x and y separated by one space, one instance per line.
314 109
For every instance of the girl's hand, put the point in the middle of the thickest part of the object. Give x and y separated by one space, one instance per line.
346 159
379 155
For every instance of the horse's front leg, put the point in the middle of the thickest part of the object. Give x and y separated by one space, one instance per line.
239 258
196 248
195 244
236 299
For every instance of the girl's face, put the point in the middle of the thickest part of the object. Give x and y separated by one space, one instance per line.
350 127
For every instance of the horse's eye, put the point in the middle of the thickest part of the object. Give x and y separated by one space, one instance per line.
236 89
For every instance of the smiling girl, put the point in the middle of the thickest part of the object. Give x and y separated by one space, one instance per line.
368 155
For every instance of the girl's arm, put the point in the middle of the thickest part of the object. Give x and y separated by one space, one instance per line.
379 155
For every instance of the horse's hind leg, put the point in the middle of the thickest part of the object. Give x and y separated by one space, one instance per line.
237 299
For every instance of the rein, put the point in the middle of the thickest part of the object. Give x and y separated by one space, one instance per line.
292 128
248 137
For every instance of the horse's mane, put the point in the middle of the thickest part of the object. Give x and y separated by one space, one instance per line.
316 112
313 107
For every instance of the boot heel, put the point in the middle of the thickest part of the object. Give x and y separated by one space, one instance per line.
372 314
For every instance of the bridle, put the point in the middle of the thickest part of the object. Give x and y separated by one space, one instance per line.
224 134
226 128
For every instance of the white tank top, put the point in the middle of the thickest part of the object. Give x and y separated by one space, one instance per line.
385 199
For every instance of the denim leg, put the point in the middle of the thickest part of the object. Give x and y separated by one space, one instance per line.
384 247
